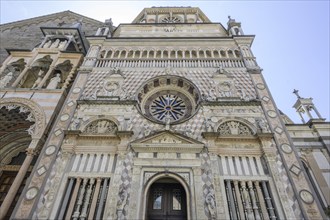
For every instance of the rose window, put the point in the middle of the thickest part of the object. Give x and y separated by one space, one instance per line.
168 105
168 99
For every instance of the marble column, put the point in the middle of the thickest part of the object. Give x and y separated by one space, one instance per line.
17 183
246 201
231 200
73 199
76 213
268 201
253 199
87 198
239 201
102 198
66 198
94 200
261 200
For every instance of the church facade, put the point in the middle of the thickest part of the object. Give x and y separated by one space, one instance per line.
168 117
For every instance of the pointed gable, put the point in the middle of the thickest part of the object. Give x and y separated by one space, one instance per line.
26 34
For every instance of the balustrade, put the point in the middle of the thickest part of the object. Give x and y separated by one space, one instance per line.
250 200
175 63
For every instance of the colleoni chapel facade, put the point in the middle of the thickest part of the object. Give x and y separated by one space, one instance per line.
168 117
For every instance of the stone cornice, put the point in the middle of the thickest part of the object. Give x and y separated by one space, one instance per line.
112 102
166 148
232 103
238 151
237 138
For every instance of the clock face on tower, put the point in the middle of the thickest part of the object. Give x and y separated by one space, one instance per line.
168 98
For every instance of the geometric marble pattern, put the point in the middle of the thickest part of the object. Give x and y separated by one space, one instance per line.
201 78
288 188
207 179
126 179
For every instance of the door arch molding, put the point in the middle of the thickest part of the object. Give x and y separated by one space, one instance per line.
161 175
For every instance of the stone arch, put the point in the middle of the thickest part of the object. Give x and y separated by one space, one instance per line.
10 149
37 113
242 121
171 175
62 70
38 70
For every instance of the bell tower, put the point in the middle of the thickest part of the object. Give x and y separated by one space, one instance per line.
306 109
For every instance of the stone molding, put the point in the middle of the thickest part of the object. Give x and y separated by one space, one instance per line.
36 110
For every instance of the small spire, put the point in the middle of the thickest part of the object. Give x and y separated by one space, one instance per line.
295 91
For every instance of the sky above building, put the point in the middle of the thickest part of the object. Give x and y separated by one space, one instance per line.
291 43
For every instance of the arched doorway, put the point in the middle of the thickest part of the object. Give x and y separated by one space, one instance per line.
15 139
166 200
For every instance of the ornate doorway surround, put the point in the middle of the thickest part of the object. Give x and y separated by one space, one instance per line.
166 196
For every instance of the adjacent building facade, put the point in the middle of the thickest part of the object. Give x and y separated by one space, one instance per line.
167 117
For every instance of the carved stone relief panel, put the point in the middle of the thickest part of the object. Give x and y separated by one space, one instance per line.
234 128
102 126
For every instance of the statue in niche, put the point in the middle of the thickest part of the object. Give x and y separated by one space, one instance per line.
54 82
75 124
262 125
6 79
208 125
62 44
47 44
210 202
55 43
39 79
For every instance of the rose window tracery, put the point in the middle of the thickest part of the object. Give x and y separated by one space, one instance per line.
168 105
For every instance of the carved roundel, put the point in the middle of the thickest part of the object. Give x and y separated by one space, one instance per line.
111 86
168 98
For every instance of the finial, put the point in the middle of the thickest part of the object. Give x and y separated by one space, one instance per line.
229 17
295 91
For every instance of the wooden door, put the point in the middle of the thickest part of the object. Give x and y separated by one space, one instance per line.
167 201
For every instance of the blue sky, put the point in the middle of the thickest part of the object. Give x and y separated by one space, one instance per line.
291 44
